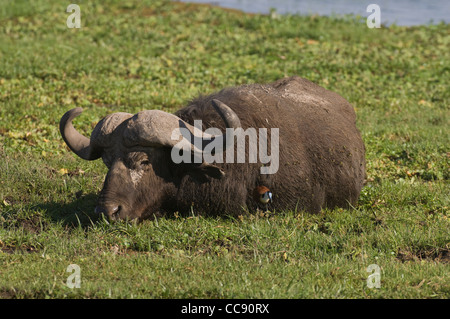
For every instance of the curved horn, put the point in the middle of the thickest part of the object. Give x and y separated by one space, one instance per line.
227 114
230 119
78 143
156 128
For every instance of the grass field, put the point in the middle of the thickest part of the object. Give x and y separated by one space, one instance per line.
134 55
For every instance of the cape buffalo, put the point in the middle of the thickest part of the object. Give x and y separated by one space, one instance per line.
318 158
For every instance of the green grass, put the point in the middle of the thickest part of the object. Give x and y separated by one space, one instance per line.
134 55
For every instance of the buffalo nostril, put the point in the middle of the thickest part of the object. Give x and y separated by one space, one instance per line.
108 211
115 211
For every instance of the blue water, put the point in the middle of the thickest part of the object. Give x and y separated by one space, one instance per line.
400 12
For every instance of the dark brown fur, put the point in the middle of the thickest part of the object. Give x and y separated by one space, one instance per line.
321 159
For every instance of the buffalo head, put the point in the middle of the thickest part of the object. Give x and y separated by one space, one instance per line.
142 179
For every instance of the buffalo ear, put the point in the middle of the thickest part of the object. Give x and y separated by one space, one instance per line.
201 173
